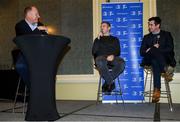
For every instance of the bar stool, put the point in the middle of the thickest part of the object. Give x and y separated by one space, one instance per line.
114 92
18 93
15 53
149 93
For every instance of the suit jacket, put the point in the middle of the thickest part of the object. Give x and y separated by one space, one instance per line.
166 47
22 28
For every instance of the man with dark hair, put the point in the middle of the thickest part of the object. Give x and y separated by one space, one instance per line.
157 20
106 51
157 50
29 25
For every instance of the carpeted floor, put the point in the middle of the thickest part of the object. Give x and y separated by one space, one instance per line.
90 111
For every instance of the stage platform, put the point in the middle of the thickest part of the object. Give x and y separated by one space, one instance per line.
90 111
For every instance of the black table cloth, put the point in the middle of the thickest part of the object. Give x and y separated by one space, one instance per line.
8 84
42 53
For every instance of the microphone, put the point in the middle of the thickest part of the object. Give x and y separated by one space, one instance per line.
158 38
100 34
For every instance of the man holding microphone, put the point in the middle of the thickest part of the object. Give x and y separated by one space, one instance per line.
106 52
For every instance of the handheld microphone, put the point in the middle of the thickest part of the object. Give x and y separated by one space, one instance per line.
100 34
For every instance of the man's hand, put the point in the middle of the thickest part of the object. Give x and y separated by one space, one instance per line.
148 50
110 58
100 34
156 45
42 28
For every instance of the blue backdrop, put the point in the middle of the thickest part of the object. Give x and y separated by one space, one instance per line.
127 24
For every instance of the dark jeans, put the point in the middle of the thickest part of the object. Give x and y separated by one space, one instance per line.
156 74
117 66
158 63
22 69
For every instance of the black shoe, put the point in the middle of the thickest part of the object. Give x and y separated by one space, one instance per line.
105 87
111 87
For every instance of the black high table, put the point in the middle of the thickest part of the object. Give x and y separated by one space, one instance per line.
42 53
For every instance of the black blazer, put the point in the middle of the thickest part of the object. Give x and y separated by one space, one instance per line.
22 28
166 46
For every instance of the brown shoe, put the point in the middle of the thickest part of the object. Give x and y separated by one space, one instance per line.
168 76
156 95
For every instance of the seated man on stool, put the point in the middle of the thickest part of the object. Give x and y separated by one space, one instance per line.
157 50
106 51
28 26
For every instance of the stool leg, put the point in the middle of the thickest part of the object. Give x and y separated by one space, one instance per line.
150 88
145 80
24 104
121 94
99 90
116 93
116 97
17 90
146 73
169 95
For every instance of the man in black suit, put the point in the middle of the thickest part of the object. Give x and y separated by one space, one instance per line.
157 50
29 25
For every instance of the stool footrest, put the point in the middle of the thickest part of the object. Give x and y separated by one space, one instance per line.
149 93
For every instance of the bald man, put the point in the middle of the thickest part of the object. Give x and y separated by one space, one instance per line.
30 25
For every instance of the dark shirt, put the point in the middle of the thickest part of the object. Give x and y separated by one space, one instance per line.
22 28
106 45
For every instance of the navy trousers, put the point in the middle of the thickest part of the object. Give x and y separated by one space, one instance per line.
22 69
